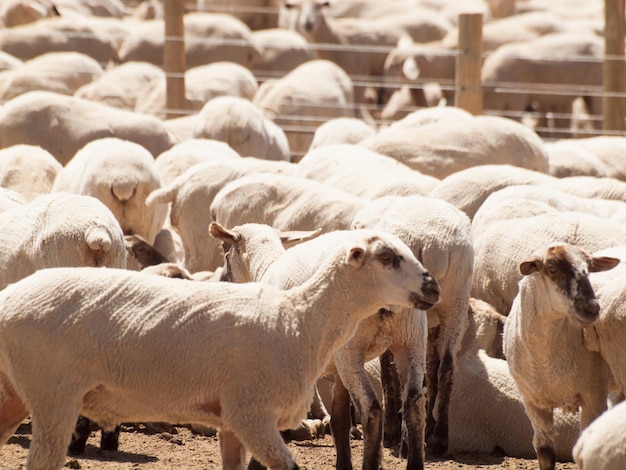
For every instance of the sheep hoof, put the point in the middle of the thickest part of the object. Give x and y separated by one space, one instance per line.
355 433
547 457
438 446
109 441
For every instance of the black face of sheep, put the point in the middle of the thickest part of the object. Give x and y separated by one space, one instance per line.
568 267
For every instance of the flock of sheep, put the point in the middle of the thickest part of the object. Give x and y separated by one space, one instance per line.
455 278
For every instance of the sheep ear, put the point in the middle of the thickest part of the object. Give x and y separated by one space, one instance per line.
221 233
294 237
602 263
531 265
356 257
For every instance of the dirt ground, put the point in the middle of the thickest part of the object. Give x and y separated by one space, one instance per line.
182 449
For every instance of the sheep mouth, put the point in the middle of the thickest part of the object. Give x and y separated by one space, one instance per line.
586 314
424 302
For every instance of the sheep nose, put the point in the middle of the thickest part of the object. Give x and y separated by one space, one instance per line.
587 311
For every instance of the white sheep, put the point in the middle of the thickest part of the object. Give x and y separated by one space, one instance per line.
242 125
467 189
453 144
342 130
121 174
486 409
202 84
601 445
123 85
176 160
544 345
59 72
282 50
439 234
190 196
62 125
59 229
528 200
357 170
496 272
17 12
359 45
304 98
28 169
285 202
249 393
590 186
254 252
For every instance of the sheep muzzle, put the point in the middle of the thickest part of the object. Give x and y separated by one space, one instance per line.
429 296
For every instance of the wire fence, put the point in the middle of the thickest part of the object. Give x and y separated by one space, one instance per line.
447 84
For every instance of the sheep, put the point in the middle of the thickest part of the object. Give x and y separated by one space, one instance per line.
282 50
121 174
176 160
122 86
359 45
17 12
202 83
357 170
97 38
59 229
242 125
364 271
449 145
300 101
467 189
496 273
209 37
254 252
486 409
567 158
60 72
528 200
440 235
589 186
342 130
285 202
601 445
64 124
190 196
28 169
544 345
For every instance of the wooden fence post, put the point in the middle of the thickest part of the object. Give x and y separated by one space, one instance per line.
174 60
468 93
614 68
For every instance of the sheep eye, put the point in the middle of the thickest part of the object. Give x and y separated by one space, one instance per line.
552 268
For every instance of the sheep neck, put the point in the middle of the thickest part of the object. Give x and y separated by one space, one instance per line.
321 305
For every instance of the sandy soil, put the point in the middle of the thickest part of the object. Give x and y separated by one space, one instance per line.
182 449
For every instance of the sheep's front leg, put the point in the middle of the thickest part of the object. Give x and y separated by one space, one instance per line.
340 423
543 435
352 372
232 450
410 363
392 426
52 426
257 432
12 413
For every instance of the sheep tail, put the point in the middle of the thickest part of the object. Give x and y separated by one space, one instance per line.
98 240
162 195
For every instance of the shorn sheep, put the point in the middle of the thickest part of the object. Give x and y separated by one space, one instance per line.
252 251
602 445
258 381
440 236
544 345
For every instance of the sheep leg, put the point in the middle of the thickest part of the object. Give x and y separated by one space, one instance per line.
259 435
543 435
410 365
81 433
52 425
364 396
232 450
12 412
432 381
110 440
340 423
392 424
